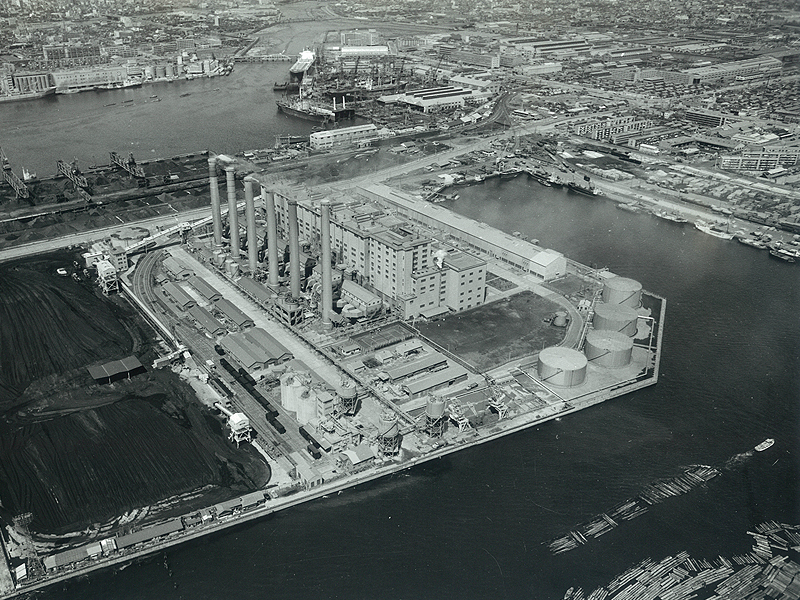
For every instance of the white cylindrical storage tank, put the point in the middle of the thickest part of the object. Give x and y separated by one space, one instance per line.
306 406
610 349
435 408
291 389
615 317
621 290
560 319
231 267
563 367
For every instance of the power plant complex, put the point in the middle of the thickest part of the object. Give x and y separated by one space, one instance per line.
307 318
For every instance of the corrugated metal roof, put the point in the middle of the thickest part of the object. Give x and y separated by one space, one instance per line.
255 289
421 364
206 320
177 294
149 533
205 289
435 379
233 313
115 367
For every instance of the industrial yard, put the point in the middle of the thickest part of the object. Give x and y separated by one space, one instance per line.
266 332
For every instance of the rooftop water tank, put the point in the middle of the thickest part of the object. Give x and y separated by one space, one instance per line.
615 317
563 367
621 290
610 349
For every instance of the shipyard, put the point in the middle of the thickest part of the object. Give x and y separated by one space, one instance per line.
290 320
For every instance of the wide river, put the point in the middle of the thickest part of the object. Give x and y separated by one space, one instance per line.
473 525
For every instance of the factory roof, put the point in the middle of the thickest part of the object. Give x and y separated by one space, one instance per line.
546 257
125 366
205 289
149 533
178 295
433 380
176 268
359 293
206 320
272 347
255 289
252 498
359 454
425 363
233 313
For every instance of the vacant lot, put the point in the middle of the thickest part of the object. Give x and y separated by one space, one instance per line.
493 334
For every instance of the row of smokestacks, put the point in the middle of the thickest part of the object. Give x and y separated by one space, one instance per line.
271 240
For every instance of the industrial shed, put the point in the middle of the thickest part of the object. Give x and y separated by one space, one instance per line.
175 293
436 380
255 290
255 349
206 320
426 363
205 289
116 370
149 533
176 269
227 307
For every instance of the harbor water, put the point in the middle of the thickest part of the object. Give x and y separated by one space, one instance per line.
476 524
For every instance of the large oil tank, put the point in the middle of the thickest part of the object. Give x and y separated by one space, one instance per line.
563 367
435 408
621 290
610 349
615 317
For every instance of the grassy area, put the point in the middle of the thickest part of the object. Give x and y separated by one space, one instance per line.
493 334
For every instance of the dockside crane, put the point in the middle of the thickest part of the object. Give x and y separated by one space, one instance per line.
72 173
15 182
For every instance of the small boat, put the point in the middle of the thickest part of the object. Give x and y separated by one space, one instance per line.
61 271
629 207
767 443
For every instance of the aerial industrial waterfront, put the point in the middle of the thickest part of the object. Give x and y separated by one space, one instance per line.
291 320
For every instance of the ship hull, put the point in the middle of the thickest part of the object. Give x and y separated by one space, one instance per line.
28 96
301 114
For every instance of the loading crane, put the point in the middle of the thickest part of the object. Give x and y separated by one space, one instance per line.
15 182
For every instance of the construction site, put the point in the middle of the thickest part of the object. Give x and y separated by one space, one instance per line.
331 336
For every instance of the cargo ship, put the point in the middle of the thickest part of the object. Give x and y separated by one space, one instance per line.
715 229
303 64
31 95
304 109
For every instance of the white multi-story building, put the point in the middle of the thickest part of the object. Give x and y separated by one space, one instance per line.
391 259
346 136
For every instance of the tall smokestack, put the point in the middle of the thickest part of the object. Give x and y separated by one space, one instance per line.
250 217
294 251
272 236
233 216
216 215
327 277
